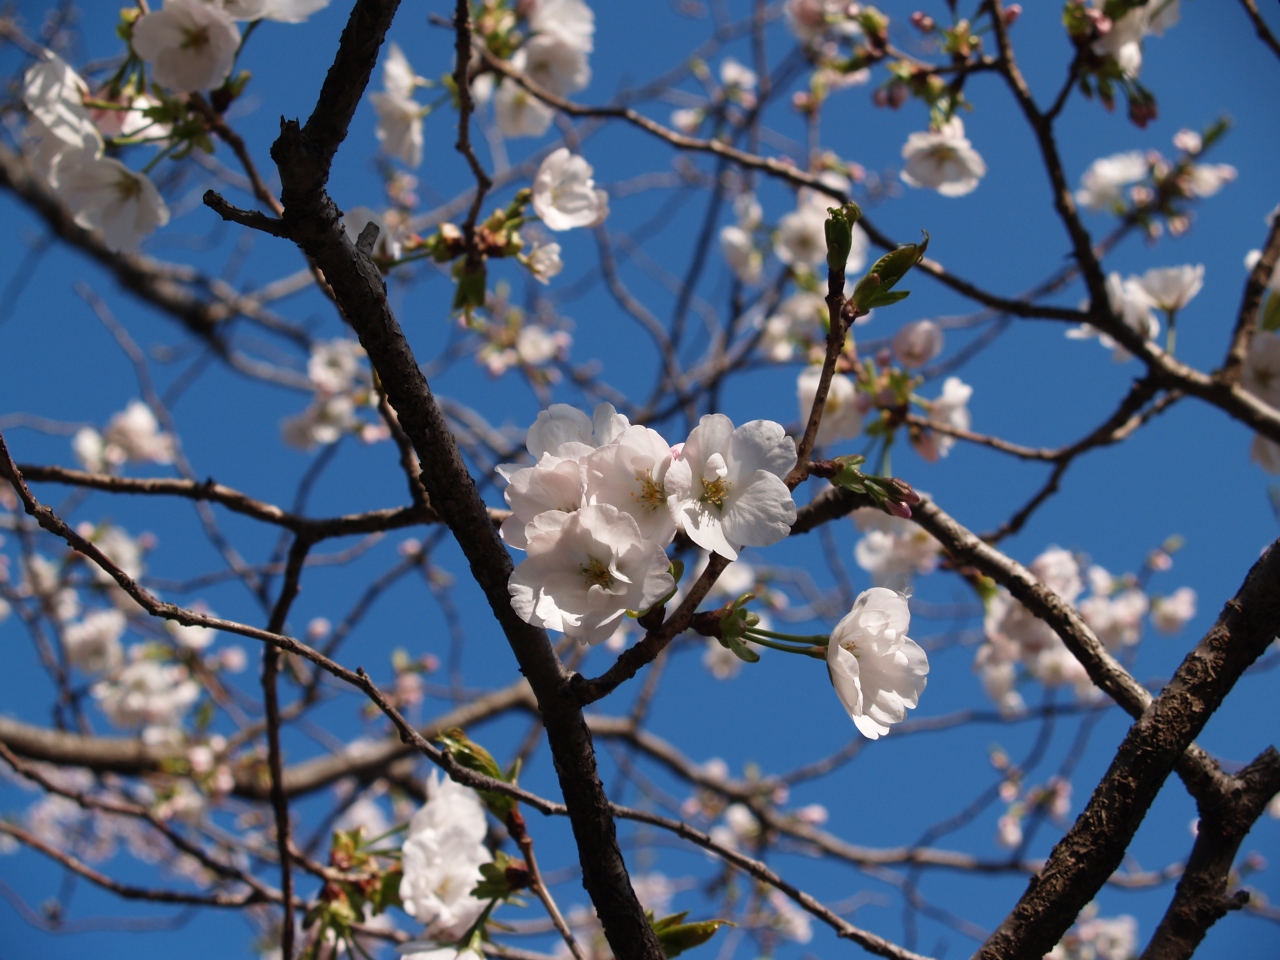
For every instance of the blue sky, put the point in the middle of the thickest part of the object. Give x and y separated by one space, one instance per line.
1187 473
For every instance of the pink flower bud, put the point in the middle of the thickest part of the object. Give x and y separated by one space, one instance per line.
1012 13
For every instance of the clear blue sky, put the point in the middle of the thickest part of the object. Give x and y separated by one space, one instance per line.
1187 473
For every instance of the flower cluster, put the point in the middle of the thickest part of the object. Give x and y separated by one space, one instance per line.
343 386
1098 938
1135 300
132 436
1114 611
605 497
441 859
553 56
66 146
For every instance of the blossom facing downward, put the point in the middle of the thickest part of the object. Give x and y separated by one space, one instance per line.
54 93
565 196
951 410
106 195
726 486
877 670
190 45
441 858
519 113
943 160
585 570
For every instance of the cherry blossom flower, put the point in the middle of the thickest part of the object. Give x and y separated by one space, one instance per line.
562 424
943 160
519 113
841 416
585 570
688 119
1117 618
93 644
565 196
54 93
950 409
1172 288
553 483
131 120
1130 301
1102 184
799 321
106 195
190 45
335 365
1206 179
570 20
282 11
536 345
1123 41
630 473
147 693
917 343
726 486
441 858
814 20
1098 938
892 549
322 423
789 920
134 435
877 670
1170 614
554 64
745 260
399 127
544 262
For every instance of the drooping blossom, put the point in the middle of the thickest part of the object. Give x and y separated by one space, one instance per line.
943 160
399 127
189 44
565 196
918 343
841 416
893 549
1172 288
105 195
1102 184
585 570
877 670
726 486
55 93
1123 41
441 858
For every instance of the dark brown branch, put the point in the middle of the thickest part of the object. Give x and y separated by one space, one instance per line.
1251 300
1227 815
246 218
1260 26
303 156
1095 845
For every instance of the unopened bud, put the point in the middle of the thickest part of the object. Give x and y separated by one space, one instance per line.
1012 13
923 22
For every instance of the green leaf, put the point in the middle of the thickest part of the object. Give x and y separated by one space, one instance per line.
887 297
886 272
676 936
839 233
475 757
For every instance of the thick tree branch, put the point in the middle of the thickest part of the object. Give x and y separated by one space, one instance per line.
1095 845
1227 814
